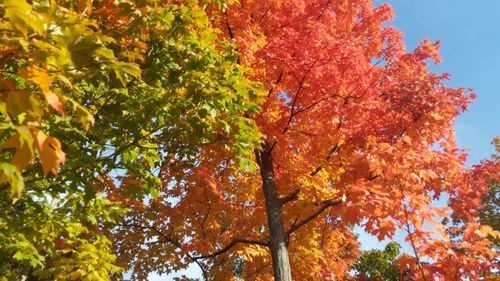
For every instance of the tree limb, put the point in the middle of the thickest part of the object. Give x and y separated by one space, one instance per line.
328 158
296 97
167 238
231 244
290 197
324 205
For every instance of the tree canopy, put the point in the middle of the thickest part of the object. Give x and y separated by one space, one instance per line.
112 97
245 137
379 264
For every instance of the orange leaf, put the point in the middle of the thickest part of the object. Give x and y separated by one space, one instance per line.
85 6
43 80
51 154
54 101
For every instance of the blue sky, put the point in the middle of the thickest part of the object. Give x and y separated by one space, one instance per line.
469 31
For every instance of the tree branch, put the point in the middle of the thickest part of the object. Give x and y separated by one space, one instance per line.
324 205
328 158
264 15
280 76
294 101
228 26
231 244
290 197
410 234
166 238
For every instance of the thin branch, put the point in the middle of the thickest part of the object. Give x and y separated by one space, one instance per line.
328 158
171 241
264 15
293 224
307 133
224 169
209 208
228 26
133 143
323 233
231 244
324 205
290 197
323 11
301 85
410 235
313 104
273 145
280 76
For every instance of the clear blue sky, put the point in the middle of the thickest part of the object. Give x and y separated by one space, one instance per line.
469 31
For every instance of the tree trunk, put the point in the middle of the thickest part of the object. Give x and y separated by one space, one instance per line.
278 243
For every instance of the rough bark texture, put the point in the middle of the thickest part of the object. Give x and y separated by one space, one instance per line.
277 240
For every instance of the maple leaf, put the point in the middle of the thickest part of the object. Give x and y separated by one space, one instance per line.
51 154
42 79
9 173
22 143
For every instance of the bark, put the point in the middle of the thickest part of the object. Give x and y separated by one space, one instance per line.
277 233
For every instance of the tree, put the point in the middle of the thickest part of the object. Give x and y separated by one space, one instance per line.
109 101
490 211
45 51
350 124
484 221
153 108
379 265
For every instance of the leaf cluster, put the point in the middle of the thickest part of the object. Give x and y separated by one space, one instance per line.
113 103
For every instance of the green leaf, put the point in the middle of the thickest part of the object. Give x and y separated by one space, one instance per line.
11 175
22 17
123 69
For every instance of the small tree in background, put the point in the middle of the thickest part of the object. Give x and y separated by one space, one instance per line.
379 265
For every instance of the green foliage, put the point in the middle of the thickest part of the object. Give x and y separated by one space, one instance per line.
64 233
379 265
114 103
490 211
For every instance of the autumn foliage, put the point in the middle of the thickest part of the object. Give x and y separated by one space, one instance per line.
236 135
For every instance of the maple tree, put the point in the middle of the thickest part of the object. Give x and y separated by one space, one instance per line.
79 87
350 124
244 137
486 211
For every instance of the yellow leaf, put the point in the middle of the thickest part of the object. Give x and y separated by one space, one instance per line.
437 116
406 139
383 146
19 102
22 17
24 152
10 174
488 231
